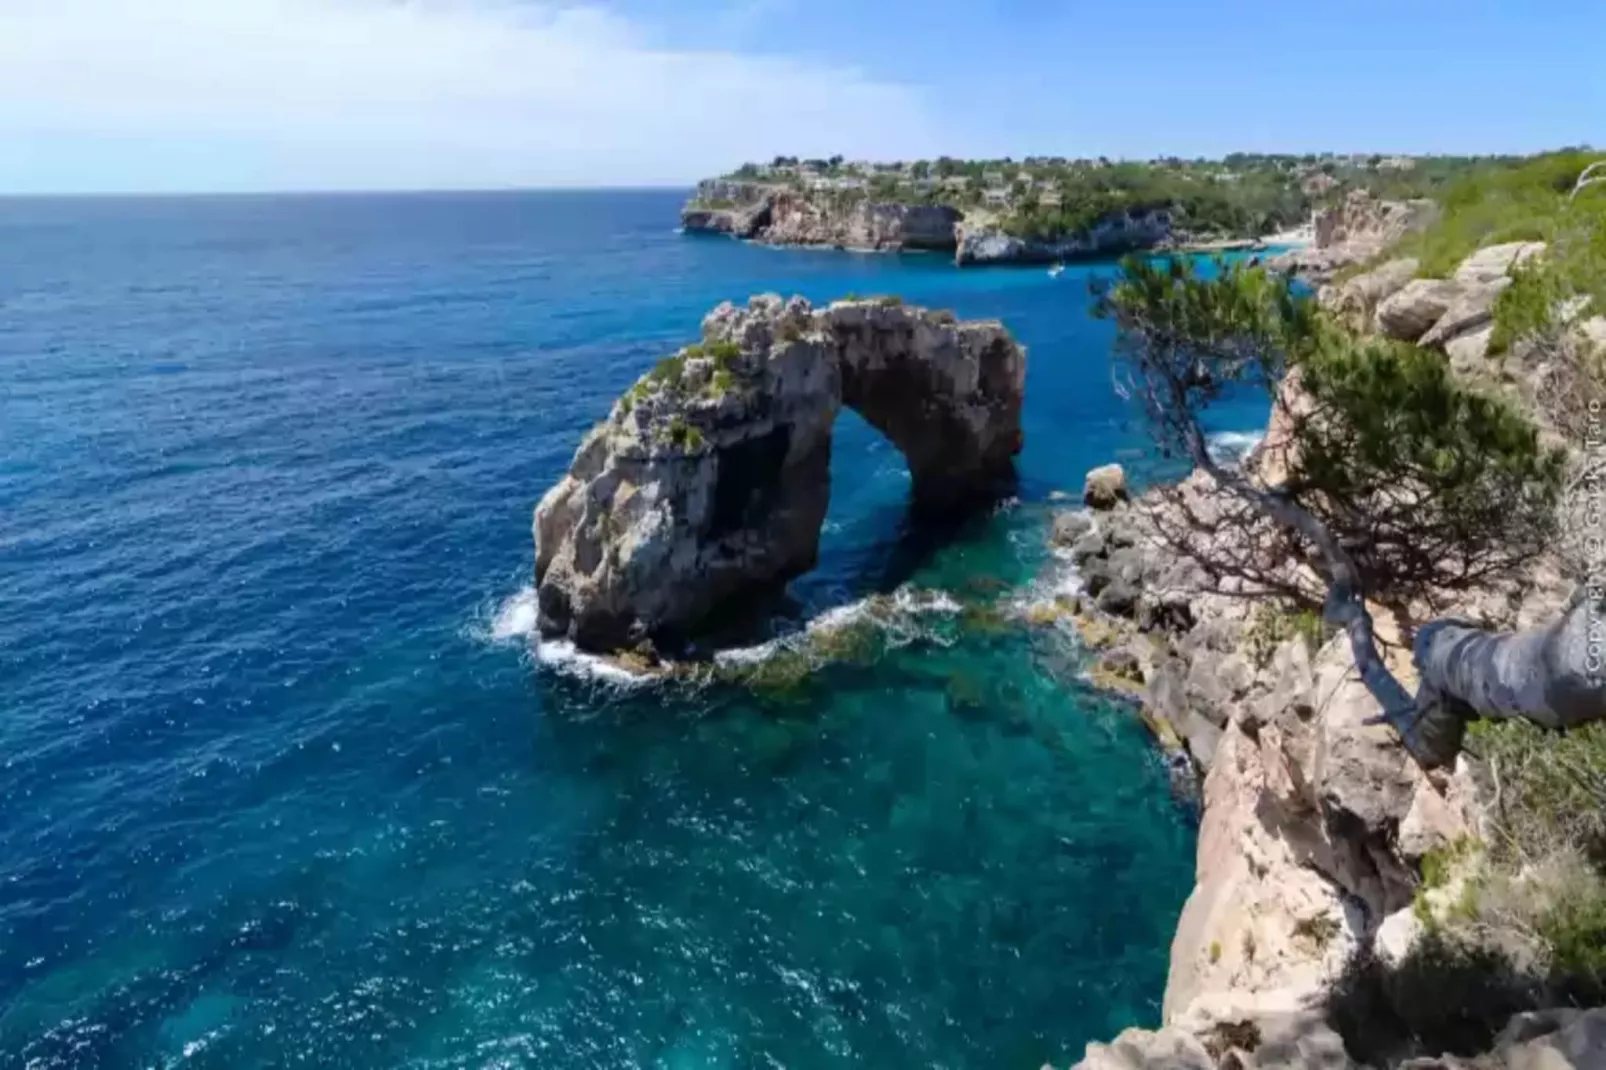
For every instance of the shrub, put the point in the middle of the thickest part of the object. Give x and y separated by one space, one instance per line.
1275 623
1507 201
668 371
889 301
1549 788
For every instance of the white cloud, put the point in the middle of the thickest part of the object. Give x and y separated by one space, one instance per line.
116 94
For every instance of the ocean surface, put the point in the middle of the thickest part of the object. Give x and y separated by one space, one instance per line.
285 782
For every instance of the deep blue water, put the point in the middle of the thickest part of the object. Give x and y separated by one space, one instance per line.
280 785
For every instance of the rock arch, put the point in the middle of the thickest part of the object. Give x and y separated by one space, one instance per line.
709 479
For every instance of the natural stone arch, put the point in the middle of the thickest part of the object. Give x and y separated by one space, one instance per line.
710 478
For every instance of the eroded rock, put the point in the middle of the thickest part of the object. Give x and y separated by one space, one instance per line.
708 481
1105 487
1408 314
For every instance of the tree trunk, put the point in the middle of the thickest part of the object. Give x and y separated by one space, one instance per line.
1553 674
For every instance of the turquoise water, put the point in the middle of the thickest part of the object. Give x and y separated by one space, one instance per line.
282 782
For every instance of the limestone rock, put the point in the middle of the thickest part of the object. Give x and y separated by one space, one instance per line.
798 218
1562 1039
1408 314
1140 1049
1105 487
981 241
1352 232
709 480
1363 219
1470 311
1069 526
1355 300
1495 262
1469 351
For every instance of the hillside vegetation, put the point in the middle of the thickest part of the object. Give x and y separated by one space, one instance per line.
1241 195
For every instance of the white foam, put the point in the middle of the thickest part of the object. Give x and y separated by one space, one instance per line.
906 602
1234 446
516 618
562 656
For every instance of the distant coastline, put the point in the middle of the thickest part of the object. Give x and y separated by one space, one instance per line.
1041 210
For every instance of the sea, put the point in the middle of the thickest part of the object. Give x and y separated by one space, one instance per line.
287 780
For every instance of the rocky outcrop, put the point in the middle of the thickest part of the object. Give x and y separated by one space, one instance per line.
1362 220
1409 313
780 215
709 480
1105 487
984 242
1562 1039
856 223
1494 263
1353 231
1355 300
740 209
849 219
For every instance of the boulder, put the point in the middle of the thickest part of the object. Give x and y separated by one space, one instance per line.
1562 1039
1356 299
707 483
1471 310
1140 1049
1410 313
1469 351
1496 262
1070 526
1105 487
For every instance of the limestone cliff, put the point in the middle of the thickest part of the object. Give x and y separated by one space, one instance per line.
780 215
983 242
1353 231
709 479
1315 823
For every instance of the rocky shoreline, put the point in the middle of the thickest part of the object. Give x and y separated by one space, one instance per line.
1315 824
779 215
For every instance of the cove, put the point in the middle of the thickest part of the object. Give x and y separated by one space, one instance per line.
286 781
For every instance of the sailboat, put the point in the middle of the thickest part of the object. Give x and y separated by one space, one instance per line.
1055 271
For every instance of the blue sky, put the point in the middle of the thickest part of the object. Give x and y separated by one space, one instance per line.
108 95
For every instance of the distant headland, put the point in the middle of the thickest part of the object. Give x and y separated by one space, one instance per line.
1045 209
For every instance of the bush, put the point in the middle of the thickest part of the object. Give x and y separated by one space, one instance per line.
1549 788
1447 996
1505 201
1430 486
1274 624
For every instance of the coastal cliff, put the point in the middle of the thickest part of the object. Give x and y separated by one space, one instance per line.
984 242
779 215
708 482
1317 830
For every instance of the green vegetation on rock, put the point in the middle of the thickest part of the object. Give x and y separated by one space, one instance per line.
1504 201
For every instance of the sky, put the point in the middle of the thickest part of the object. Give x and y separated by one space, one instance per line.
248 95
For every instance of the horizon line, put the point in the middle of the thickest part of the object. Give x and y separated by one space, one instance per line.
379 191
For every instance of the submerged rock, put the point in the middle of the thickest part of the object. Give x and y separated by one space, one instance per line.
707 484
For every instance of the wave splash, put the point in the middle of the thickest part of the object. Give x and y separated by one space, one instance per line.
1231 447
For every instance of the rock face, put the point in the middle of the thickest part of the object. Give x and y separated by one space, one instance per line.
1355 300
1353 231
783 216
1408 314
799 219
984 243
709 480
